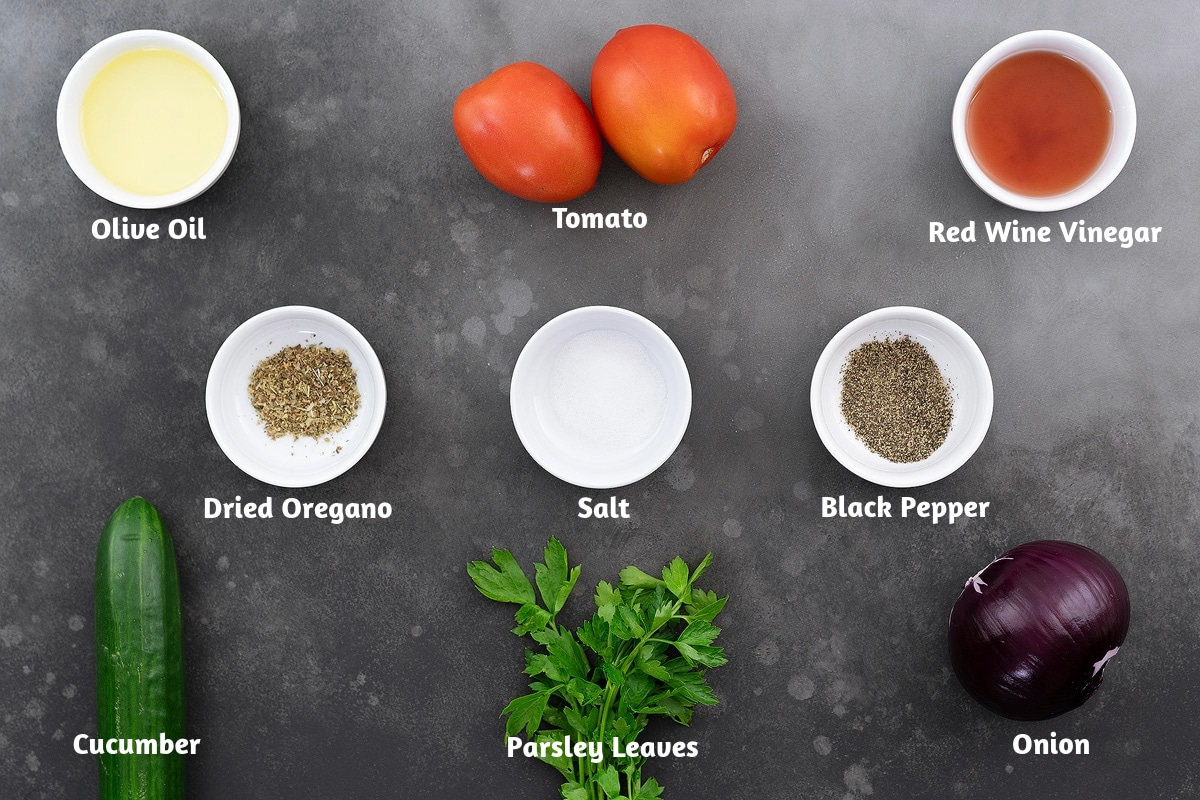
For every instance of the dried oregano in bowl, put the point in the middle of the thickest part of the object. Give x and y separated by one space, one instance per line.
305 390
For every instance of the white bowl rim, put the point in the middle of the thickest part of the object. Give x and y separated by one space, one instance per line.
71 96
221 363
918 475
682 409
1115 85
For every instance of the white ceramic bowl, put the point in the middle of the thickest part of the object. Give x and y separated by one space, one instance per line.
558 448
235 424
70 103
1110 77
960 362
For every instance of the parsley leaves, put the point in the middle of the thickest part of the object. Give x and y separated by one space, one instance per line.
643 653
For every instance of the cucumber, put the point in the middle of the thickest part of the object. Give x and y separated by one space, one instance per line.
139 653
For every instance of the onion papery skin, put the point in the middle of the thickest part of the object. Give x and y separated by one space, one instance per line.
1031 633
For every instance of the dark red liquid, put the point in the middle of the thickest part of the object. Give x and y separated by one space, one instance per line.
1039 123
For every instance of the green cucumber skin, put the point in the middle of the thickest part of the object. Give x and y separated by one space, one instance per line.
139 653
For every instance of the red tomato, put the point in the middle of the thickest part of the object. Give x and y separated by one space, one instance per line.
662 101
526 130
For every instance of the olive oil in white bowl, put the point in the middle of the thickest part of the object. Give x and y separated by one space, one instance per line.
148 119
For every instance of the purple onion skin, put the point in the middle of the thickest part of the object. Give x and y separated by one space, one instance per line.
1030 634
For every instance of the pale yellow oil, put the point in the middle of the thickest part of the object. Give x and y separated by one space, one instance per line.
154 121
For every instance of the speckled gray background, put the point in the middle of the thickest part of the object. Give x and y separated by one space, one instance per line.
358 661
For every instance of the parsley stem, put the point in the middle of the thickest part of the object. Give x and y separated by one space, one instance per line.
610 691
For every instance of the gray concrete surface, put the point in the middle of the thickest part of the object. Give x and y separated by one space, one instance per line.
357 660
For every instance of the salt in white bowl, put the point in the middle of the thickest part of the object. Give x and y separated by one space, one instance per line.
554 432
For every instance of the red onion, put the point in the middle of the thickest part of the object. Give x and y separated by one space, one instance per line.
1031 632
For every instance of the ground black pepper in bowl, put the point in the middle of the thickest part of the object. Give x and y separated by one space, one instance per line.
896 400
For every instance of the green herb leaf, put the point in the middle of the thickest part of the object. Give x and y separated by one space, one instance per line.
594 635
525 712
663 612
675 576
700 695
629 617
700 598
536 663
666 704
613 673
650 791
564 764
554 580
705 656
691 688
654 669
621 627
637 688
702 567
606 595
564 651
584 692
610 781
607 600
577 721
506 585
705 605
634 577
531 618
626 727
565 591
698 632
574 791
